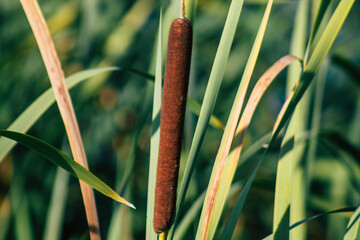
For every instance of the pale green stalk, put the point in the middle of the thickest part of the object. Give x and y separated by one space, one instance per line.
281 220
298 181
155 137
55 213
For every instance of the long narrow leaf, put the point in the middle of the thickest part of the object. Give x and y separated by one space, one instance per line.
321 50
324 4
65 162
32 113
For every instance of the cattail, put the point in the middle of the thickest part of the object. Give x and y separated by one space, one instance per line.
172 121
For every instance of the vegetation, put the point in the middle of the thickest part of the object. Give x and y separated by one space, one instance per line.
267 152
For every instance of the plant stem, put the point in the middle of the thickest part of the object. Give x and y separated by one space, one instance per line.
182 9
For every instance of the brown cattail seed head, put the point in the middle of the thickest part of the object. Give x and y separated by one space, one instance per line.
172 121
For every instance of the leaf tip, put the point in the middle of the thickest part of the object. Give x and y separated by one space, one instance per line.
124 201
132 206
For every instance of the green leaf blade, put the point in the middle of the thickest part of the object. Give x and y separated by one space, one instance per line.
62 160
321 50
28 117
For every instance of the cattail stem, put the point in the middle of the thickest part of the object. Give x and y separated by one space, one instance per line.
182 9
172 121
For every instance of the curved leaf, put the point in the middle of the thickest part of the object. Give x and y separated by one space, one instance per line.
226 169
62 160
28 117
321 50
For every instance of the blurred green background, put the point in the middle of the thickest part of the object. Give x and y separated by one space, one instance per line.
114 110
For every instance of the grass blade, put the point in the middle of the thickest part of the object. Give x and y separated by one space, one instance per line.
321 50
65 162
329 35
323 6
28 117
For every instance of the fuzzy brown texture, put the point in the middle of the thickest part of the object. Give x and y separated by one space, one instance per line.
172 121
